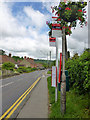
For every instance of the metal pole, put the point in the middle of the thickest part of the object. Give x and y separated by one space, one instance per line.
56 90
63 83
50 58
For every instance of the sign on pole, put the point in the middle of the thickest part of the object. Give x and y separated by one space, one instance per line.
56 30
55 19
52 42
60 67
54 76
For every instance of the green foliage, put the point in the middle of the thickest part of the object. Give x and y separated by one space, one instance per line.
25 69
8 66
78 68
71 11
32 69
49 72
16 58
68 13
22 69
45 63
2 52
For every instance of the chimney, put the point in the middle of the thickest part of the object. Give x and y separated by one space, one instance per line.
9 54
28 58
24 57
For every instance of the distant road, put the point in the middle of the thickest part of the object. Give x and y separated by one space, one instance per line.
14 87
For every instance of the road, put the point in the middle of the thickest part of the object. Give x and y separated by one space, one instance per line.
14 87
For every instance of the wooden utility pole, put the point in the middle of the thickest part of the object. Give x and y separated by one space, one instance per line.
66 54
63 83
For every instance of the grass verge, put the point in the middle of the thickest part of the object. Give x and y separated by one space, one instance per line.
0 72
76 105
49 72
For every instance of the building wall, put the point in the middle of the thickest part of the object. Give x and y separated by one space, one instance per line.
5 58
25 63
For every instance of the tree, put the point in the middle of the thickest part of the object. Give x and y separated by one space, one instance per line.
8 66
16 58
2 52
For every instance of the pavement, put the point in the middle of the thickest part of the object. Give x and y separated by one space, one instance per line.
37 104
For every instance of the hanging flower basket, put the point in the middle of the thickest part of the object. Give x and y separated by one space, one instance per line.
71 12
68 14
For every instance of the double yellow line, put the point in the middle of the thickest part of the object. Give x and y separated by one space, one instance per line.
11 110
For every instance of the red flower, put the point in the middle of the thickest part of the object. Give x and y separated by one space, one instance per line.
58 14
67 8
80 10
84 11
69 28
63 27
80 19
58 19
67 32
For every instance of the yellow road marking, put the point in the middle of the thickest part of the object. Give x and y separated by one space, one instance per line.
26 92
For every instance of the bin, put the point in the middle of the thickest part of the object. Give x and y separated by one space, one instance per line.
67 81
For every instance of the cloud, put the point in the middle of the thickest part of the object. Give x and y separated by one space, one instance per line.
9 24
37 19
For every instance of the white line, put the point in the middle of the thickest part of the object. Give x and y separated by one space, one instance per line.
6 84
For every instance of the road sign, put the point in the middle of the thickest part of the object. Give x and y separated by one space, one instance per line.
54 78
60 67
52 42
56 30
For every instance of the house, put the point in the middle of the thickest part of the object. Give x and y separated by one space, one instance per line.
29 62
5 58
24 63
39 66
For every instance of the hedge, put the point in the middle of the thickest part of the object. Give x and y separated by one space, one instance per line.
78 68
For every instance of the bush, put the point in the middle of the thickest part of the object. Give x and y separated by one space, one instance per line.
22 69
8 66
32 69
25 69
78 69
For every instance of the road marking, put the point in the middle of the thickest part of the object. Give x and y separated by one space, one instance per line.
6 84
20 99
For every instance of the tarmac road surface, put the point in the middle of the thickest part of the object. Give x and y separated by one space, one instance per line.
14 87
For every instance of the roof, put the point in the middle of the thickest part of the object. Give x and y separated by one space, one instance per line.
5 58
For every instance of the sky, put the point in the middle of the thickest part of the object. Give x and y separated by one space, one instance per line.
23 30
